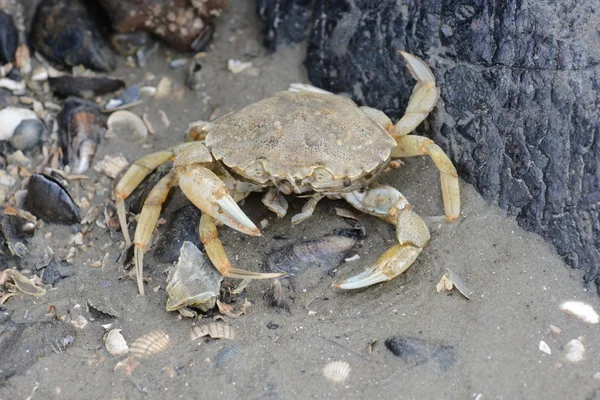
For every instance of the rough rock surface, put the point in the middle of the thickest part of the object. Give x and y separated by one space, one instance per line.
520 104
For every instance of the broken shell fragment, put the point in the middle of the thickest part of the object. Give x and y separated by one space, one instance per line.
581 310
111 166
574 351
80 128
11 118
229 354
48 200
194 282
84 86
164 88
149 344
115 343
216 330
450 280
9 38
337 371
123 123
543 347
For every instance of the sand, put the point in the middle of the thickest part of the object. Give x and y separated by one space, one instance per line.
491 341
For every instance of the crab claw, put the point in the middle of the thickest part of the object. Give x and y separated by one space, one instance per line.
207 192
392 263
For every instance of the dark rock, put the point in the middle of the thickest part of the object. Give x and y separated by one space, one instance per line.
22 345
69 32
48 200
183 227
56 271
519 97
28 135
9 38
417 352
284 21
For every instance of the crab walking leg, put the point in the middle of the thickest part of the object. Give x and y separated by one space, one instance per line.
388 204
132 178
274 201
209 236
423 99
147 222
308 209
413 145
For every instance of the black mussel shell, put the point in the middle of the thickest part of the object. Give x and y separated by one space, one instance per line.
84 86
48 200
9 38
66 32
183 227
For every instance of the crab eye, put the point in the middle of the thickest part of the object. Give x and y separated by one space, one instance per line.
256 172
323 178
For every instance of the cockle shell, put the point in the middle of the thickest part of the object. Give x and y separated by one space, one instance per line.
216 330
149 344
337 371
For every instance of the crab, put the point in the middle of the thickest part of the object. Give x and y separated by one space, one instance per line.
303 141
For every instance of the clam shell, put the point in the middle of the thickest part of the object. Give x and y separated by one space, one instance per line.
149 344
216 330
115 343
337 371
581 310
123 123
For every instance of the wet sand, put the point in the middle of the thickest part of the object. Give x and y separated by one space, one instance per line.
518 280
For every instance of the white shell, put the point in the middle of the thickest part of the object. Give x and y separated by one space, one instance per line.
216 330
11 117
337 371
115 343
123 123
581 310
164 87
544 347
574 351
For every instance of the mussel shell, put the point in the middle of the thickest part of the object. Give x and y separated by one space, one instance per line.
9 38
84 86
183 227
15 228
48 200
81 125
64 31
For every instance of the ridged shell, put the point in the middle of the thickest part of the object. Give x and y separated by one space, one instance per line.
149 344
337 371
216 330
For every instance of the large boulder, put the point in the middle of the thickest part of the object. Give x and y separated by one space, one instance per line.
520 94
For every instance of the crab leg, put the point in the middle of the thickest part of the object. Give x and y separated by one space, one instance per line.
423 99
413 145
388 204
308 209
207 192
209 236
132 178
147 222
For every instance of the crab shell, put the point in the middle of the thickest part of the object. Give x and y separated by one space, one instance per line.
301 142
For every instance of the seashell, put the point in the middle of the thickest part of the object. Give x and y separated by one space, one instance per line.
150 344
237 66
543 347
65 31
9 38
11 117
111 166
203 39
12 85
164 88
574 351
79 322
581 310
80 128
193 282
127 366
28 134
229 353
127 44
337 371
84 86
39 74
48 200
123 123
216 330
178 63
194 75
115 343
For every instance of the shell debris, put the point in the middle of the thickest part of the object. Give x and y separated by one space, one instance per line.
149 344
581 310
337 371
543 347
216 330
123 123
115 343
111 166
574 351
